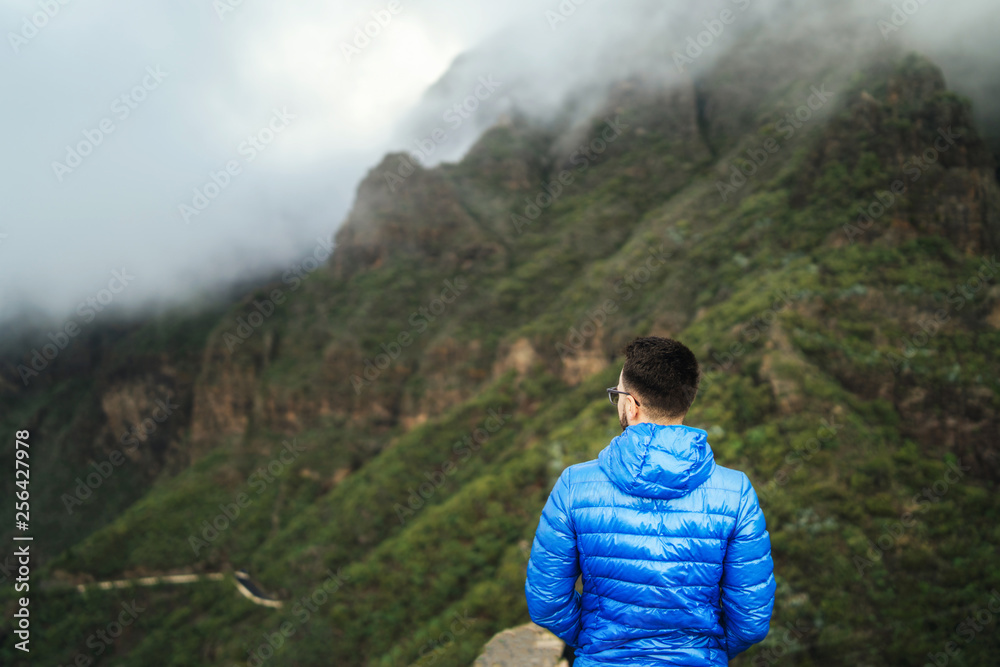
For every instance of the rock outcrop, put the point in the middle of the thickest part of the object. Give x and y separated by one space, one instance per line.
527 645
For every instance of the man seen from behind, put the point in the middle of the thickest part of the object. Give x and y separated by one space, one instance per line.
673 548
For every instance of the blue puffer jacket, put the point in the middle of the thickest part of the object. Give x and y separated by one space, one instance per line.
674 552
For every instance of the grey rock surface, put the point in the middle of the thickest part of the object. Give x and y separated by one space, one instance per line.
527 645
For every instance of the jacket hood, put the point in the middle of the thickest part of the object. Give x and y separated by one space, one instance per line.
655 461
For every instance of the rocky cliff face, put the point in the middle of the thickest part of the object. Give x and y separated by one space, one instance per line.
460 219
925 138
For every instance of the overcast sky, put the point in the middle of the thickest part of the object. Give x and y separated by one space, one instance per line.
266 90
219 78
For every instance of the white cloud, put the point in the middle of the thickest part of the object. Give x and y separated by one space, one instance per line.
120 207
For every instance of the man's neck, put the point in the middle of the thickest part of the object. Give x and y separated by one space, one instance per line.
659 422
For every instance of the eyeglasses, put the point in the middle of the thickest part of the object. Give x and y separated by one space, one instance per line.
614 392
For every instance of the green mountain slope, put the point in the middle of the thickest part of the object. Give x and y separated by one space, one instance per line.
397 418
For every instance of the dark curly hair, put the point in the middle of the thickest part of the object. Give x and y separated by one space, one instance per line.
664 373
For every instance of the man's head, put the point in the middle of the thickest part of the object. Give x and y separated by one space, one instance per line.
661 378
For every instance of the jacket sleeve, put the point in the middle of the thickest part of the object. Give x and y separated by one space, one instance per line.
747 577
550 587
